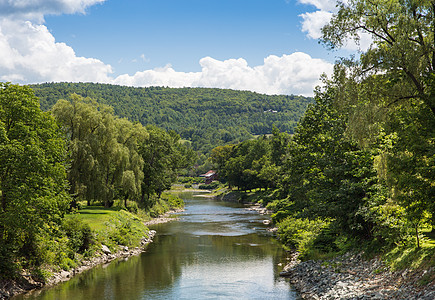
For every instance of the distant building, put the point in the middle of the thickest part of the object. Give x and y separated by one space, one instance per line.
209 176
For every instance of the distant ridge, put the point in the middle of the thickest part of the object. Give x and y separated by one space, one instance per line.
205 116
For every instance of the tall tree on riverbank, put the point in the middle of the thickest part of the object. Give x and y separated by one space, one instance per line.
163 157
400 64
403 45
33 182
103 151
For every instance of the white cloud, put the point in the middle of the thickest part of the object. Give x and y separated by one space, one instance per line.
36 9
297 73
29 53
165 76
313 22
328 5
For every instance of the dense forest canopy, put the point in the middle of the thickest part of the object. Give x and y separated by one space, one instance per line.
207 117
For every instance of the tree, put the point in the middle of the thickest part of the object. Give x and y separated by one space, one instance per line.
163 156
403 45
399 69
326 174
33 183
105 162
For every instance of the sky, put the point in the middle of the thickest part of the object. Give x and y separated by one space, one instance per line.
265 46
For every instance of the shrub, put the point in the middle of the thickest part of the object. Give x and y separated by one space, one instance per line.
299 234
79 234
210 186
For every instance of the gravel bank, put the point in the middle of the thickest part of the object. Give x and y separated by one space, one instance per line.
351 277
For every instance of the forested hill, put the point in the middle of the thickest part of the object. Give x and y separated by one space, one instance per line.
206 116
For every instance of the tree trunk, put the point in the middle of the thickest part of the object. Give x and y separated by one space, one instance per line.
4 202
416 235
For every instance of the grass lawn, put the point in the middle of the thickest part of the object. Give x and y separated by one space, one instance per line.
113 226
96 216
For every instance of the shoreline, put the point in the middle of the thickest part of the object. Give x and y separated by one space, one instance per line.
165 218
351 277
26 284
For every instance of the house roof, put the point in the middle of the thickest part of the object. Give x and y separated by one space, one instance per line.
208 174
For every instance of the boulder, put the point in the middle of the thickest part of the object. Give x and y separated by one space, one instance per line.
105 249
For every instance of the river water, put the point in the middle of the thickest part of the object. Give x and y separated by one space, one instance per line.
216 250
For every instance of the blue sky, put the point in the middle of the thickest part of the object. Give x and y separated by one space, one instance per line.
182 32
268 46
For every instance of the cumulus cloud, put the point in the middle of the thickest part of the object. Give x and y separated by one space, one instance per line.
36 9
165 76
297 73
312 22
29 53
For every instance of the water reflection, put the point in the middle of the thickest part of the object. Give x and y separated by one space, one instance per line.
215 251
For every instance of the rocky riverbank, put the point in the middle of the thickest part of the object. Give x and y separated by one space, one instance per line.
27 283
352 277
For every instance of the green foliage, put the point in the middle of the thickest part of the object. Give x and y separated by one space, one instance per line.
252 164
298 233
79 234
32 176
105 162
210 186
400 84
205 117
163 157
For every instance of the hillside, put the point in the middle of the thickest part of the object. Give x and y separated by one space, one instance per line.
206 116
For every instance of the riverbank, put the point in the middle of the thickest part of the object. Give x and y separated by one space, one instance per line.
165 218
352 277
27 283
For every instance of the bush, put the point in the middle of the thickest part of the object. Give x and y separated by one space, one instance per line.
210 186
172 200
299 234
79 234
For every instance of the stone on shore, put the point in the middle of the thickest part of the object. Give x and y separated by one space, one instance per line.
105 249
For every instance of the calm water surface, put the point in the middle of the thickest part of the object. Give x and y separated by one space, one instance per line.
216 250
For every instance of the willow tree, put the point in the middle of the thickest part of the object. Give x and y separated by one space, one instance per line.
104 158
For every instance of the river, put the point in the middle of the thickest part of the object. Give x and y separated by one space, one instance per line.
216 250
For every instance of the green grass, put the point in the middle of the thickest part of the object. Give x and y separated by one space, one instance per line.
113 225
411 257
429 240
97 216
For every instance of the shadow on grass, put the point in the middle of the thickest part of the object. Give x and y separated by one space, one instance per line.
97 210
412 257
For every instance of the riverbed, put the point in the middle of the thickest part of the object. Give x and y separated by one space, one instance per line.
214 250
